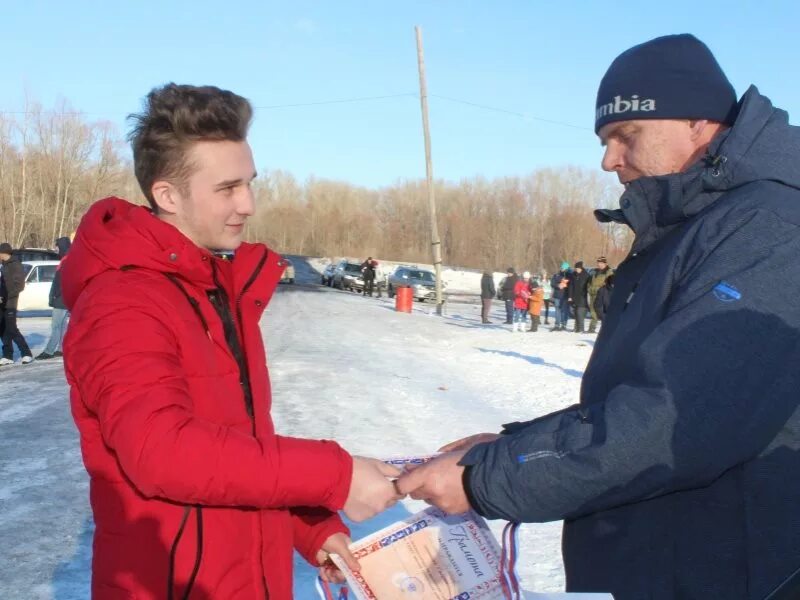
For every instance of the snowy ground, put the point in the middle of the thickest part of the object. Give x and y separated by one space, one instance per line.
343 367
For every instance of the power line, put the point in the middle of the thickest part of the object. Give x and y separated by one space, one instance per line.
487 107
340 101
510 112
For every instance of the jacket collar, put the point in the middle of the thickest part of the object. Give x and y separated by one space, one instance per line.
653 206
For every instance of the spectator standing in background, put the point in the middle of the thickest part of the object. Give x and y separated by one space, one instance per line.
522 293
58 322
487 295
507 293
544 283
13 282
380 277
577 293
535 304
596 283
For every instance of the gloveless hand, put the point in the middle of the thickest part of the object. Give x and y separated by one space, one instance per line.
371 490
438 483
338 544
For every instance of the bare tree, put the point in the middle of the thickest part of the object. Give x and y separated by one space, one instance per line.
54 164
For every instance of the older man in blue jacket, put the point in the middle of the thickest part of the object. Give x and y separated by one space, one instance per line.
678 474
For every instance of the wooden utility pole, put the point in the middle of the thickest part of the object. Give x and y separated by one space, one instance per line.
436 245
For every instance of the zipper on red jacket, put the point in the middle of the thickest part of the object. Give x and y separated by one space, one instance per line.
233 337
234 334
221 302
248 283
246 286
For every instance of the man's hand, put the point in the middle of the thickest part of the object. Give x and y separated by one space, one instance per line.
438 482
371 490
339 544
468 442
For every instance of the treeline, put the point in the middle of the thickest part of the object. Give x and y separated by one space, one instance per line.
535 221
54 164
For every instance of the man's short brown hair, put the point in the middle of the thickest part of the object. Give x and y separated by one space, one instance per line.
175 117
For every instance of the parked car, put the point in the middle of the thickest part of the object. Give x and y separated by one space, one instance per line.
422 282
34 254
327 274
347 276
288 272
39 275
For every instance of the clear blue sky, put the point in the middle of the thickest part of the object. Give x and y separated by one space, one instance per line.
541 59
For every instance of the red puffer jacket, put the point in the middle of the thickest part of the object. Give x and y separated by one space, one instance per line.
522 292
190 486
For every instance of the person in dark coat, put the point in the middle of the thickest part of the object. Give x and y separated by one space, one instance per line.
602 299
487 295
678 473
559 284
58 322
596 283
577 294
368 274
11 286
507 293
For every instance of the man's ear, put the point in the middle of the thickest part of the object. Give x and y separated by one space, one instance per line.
698 128
167 196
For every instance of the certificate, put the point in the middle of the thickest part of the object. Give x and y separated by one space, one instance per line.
427 556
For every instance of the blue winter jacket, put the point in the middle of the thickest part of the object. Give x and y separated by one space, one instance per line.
678 474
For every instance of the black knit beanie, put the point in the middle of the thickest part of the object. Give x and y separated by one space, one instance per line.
670 77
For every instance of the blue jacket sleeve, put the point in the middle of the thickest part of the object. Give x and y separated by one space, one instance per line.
711 387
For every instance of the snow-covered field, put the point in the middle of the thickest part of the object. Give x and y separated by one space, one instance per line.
343 367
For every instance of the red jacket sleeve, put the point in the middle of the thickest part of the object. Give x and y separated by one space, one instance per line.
312 527
123 361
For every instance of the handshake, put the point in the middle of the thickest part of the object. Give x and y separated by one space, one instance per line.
377 486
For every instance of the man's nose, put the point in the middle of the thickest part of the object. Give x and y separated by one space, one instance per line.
247 202
612 158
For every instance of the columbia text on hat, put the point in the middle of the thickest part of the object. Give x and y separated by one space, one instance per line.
670 77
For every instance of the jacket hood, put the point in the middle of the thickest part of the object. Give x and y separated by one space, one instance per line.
760 146
115 233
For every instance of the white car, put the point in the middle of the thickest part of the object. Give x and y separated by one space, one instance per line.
39 276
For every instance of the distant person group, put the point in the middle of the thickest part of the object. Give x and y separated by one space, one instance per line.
572 292
12 284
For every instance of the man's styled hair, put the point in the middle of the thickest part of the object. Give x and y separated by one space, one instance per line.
175 117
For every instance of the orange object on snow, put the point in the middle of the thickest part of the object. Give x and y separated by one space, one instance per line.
404 299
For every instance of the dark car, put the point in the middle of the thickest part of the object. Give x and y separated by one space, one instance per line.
34 254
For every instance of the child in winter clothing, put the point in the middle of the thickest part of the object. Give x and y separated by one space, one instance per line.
535 304
522 292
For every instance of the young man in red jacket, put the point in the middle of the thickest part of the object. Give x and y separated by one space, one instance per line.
194 494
